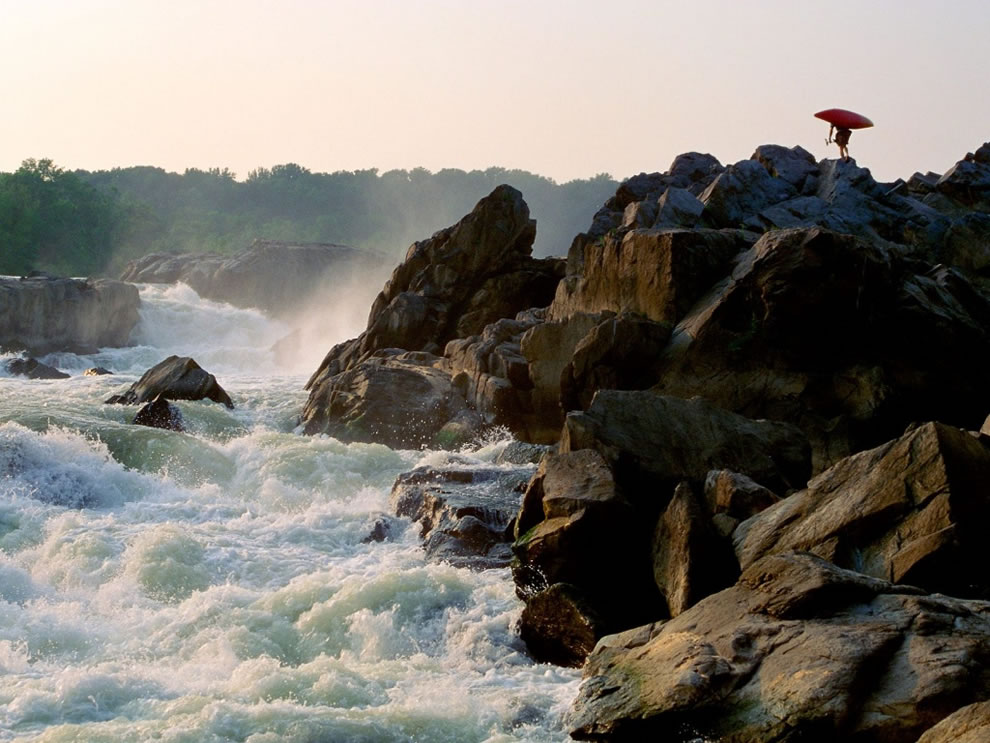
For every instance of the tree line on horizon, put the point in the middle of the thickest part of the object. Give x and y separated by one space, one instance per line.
82 223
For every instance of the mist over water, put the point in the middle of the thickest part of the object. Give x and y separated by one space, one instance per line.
214 585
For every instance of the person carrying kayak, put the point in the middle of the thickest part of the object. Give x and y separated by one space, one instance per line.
841 138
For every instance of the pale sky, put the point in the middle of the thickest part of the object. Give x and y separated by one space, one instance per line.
564 89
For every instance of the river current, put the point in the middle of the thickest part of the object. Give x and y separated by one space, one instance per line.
216 585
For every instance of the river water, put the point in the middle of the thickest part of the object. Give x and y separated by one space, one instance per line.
213 585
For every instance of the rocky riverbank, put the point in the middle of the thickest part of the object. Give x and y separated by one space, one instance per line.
277 277
759 519
41 314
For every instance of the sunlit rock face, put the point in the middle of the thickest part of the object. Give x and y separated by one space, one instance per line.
42 314
277 277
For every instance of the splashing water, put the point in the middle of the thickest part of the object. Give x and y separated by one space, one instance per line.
214 585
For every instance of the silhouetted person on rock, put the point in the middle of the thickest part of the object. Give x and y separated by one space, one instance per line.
841 138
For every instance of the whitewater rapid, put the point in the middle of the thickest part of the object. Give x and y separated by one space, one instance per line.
216 585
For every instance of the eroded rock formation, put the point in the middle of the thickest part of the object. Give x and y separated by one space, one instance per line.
277 277
43 314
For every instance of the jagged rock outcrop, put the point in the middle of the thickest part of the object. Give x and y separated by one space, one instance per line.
277 277
159 413
450 286
691 560
175 378
580 553
797 650
840 335
910 511
34 369
655 441
599 518
464 513
43 314
455 283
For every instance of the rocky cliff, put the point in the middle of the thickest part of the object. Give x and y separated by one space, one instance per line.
277 277
42 314
763 383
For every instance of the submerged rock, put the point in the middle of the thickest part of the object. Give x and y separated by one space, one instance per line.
464 514
34 369
159 413
175 378
96 371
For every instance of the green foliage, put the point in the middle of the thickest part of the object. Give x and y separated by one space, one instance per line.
53 220
92 222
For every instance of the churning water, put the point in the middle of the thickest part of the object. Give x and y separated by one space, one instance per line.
214 585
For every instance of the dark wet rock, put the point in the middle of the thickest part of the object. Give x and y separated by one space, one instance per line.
96 371
278 277
455 283
464 513
577 529
560 626
797 650
619 353
381 531
159 413
175 378
690 559
43 314
736 495
519 452
654 441
34 369
910 511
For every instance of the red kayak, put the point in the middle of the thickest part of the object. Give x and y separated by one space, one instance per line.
844 119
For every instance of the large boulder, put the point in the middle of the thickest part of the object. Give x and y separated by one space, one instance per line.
910 511
277 277
464 513
175 378
655 441
43 314
797 650
840 335
400 399
656 273
581 552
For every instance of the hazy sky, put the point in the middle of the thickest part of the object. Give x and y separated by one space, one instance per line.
565 89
